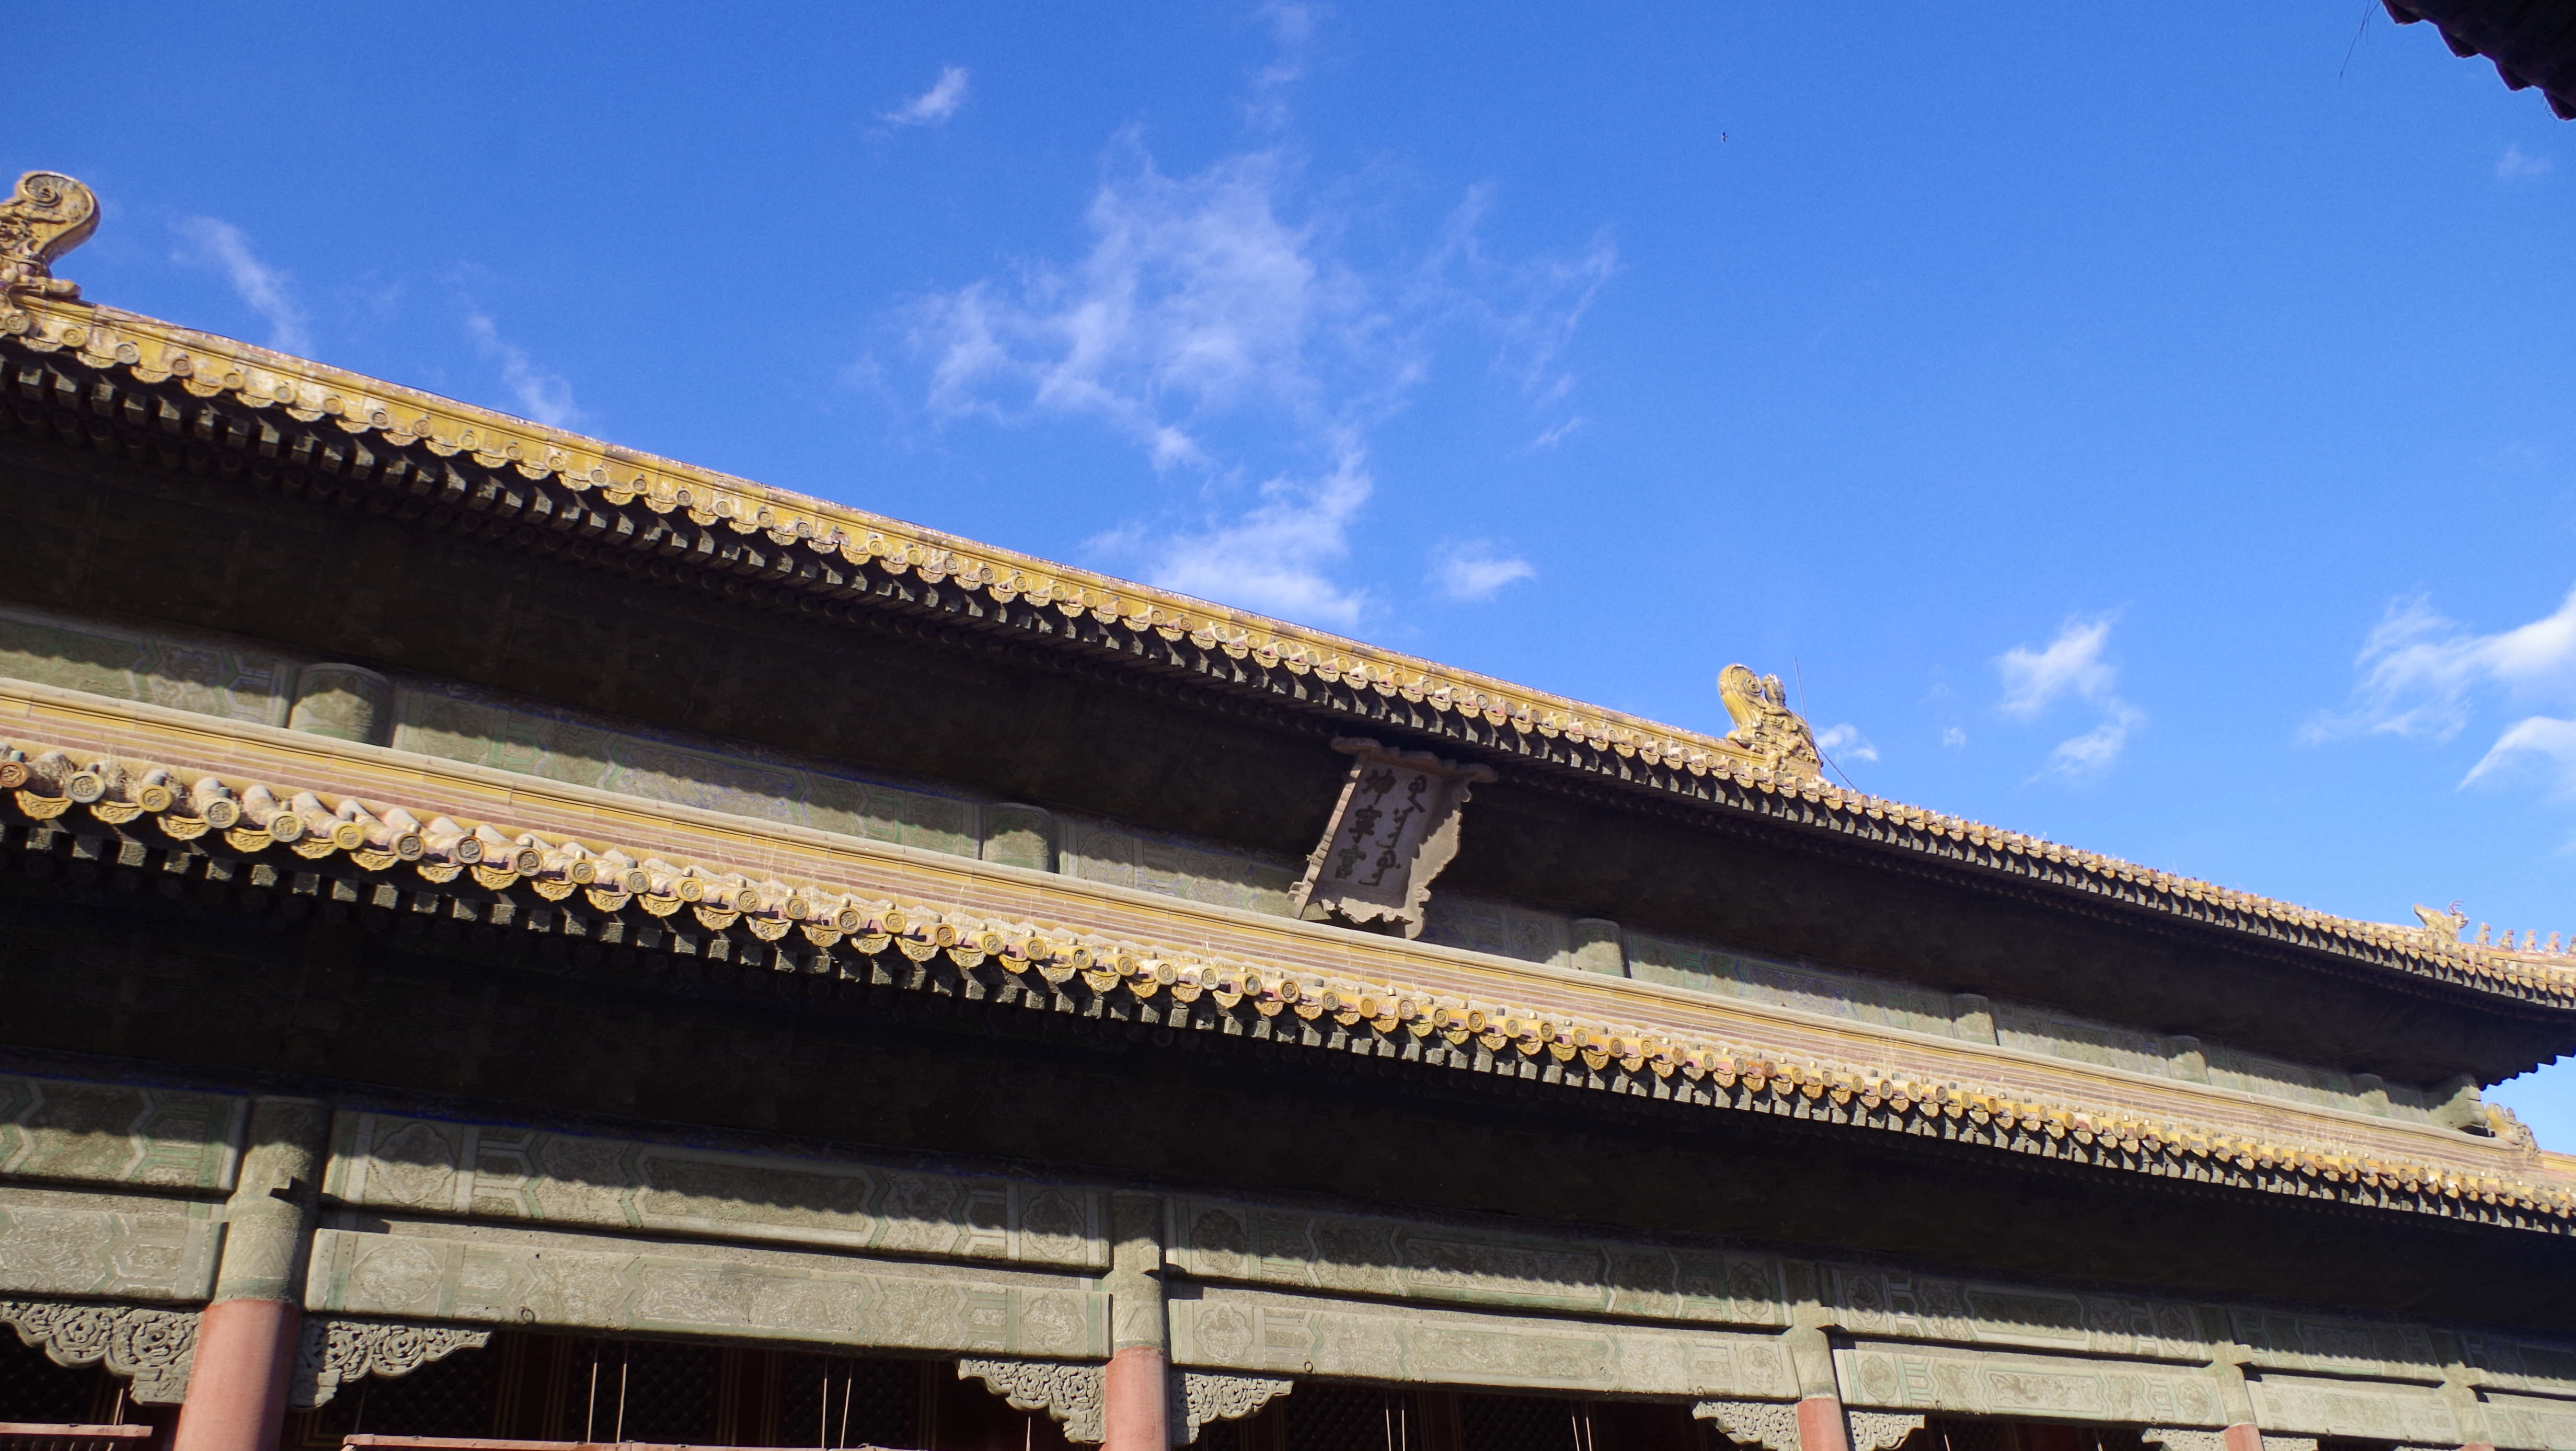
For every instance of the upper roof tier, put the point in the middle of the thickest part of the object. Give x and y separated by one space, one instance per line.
589 504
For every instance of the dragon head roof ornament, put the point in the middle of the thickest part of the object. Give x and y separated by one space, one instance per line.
50 215
1766 726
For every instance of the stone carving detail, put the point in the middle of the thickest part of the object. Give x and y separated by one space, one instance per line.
2173 1439
49 1250
1216 1239
1893 1303
744 1293
116 1133
2336 1346
1765 725
1072 1394
50 215
1881 1430
2530 1422
1394 828
429 1166
335 1351
153 1348
2301 1406
1262 1332
2053 1387
1772 1425
1201 1396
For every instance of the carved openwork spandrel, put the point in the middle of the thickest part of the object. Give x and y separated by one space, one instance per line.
1201 1397
1072 1394
335 1351
152 1348
1771 1425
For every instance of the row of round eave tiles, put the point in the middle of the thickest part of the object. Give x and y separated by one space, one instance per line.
253 818
746 513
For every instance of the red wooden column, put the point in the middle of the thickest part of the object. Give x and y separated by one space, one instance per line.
2244 1436
1821 1426
1136 1397
246 1338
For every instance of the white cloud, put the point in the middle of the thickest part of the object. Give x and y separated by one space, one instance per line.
2548 737
541 396
1473 570
2421 675
2081 758
2071 667
262 288
1847 743
934 105
1222 324
2516 164
1953 738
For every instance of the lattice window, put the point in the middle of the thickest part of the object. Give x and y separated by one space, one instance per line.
1521 1423
33 1388
1346 1418
448 1397
671 1393
840 1400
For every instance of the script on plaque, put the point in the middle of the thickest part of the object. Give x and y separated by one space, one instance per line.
1394 828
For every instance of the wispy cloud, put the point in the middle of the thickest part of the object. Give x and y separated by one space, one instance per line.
1223 323
1550 437
1474 569
1953 738
1292 37
1845 743
2071 668
212 242
934 105
2421 675
542 396
2516 164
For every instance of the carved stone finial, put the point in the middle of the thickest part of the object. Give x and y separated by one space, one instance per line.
1765 725
50 215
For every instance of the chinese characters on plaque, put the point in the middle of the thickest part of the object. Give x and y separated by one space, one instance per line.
1394 828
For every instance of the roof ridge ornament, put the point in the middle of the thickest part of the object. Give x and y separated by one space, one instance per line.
50 215
1766 726
2443 926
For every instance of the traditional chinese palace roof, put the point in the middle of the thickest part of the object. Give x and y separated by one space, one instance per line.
171 474
2532 42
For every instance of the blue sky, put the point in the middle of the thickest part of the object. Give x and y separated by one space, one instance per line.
2150 433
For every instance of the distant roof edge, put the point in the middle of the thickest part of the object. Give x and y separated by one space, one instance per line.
797 545
2532 42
